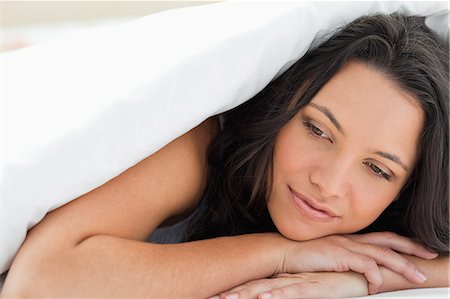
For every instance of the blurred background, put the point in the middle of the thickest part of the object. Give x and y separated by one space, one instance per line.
28 22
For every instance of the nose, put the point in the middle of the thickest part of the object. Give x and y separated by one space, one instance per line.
332 178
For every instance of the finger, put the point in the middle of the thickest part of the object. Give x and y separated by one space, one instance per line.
253 288
298 290
243 291
363 264
396 242
390 259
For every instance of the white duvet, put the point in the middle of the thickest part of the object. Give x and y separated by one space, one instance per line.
79 110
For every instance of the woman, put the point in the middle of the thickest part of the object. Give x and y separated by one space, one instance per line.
355 133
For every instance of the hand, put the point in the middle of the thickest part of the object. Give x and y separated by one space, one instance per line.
301 285
358 253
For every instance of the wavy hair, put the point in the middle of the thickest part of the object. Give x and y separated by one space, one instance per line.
240 157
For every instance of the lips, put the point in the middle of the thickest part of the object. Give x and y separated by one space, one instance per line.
311 208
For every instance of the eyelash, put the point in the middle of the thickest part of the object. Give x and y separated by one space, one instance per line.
311 128
377 172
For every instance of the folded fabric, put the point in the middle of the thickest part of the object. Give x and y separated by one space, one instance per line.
81 109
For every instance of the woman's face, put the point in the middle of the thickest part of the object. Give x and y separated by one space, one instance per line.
345 156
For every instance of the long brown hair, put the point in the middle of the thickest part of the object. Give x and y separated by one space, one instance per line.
240 157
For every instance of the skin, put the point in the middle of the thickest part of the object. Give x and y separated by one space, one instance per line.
332 167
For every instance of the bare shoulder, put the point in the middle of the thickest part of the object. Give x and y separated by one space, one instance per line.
162 186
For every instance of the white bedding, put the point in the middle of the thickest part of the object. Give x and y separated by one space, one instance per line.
80 109
428 293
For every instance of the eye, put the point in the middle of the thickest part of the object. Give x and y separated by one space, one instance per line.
378 172
315 131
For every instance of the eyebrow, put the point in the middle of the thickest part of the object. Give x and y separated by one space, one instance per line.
330 115
338 126
392 158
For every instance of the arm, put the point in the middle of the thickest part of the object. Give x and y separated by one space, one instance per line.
111 266
436 271
335 283
105 266
340 284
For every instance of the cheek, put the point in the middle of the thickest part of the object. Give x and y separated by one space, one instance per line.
367 204
293 152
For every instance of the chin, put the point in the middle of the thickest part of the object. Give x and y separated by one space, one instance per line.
296 234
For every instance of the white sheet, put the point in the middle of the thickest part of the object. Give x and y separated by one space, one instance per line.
427 293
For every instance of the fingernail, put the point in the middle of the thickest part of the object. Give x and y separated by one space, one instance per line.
420 276
214 297
232 296
265 296
431 251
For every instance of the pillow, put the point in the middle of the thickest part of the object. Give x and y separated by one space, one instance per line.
81 109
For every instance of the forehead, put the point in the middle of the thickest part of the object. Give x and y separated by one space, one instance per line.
372 110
